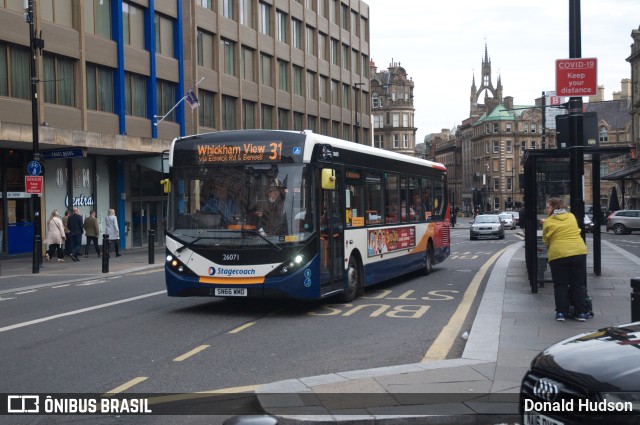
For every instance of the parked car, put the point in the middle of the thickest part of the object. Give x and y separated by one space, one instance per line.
507 220
623 221
596 369
486 225
516 217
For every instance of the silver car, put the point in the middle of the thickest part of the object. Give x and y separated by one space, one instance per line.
507 220
623 221
486 225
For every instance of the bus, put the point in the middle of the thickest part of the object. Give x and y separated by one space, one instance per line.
285 214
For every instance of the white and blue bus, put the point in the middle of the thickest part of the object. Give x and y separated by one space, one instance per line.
263 213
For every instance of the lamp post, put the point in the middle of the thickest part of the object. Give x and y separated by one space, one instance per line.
36 43
357 100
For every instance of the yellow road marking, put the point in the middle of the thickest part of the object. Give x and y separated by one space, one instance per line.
190 353
125 386
202 394
241 328
443 343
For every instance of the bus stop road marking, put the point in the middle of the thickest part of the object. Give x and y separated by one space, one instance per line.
125 386
443 343
190 353
82 310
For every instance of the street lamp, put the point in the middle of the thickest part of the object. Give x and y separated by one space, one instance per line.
357 100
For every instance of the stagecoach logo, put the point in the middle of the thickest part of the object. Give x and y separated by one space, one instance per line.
212 271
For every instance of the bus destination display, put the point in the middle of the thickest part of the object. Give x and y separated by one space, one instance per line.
248 152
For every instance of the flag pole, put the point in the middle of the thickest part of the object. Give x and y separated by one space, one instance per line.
162 117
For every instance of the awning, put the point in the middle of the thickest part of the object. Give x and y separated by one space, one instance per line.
623 174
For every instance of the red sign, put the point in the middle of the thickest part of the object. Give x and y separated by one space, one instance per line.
555 100
33 184
576 77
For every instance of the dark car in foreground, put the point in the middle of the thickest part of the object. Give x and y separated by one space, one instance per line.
591 378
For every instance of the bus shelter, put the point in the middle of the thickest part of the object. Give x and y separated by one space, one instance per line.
547 174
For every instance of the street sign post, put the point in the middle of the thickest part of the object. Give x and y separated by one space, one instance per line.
576 77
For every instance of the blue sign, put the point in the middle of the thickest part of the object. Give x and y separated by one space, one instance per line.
34 168
63 153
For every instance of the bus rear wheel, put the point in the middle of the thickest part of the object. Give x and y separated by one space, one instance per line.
354 281
428 260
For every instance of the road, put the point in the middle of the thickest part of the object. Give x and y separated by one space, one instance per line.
122 334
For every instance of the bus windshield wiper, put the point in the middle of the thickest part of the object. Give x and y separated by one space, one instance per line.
255 232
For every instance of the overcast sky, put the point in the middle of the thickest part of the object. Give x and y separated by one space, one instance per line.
441 46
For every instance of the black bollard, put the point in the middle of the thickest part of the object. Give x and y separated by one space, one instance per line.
151 242
105 253
635 299
37 254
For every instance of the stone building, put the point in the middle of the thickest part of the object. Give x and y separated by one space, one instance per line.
111 69
392 109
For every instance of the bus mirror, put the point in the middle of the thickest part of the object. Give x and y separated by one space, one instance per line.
166 185
328 179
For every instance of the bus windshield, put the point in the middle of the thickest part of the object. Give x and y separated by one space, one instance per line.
240 205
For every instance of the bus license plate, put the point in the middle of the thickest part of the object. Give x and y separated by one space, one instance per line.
231 292
533 418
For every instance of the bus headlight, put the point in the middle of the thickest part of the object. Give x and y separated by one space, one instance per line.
292 264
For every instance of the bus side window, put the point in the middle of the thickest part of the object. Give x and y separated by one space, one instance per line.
414 200
391 197
373 199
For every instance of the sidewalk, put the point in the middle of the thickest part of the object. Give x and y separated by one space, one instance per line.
18 271
511 327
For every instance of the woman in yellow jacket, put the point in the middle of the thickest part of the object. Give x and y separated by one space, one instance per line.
567 257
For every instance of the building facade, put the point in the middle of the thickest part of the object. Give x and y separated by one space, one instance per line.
111 72
392 109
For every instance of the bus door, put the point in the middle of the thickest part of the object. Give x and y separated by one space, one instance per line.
331 240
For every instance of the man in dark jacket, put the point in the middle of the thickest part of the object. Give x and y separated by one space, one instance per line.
76 227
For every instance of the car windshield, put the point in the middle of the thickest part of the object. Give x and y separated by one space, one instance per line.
506 216
244 205
487 219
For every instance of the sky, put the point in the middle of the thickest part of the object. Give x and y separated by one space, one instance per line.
441 45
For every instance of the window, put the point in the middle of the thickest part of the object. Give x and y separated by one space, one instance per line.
335 129
405 141
60 77
311 85
281 26
346 96
396 141
164 35
228 113
533 127
354 195
509 183
335 94
296 34
496 127
526 127
345 57
283 119
365 66
97 17
205 110
226 9
283 72
603 134
132 25
405 120
229 62
297 80
509 146
297 121
310 4
246 13
345 17
166 95
415 205
60 12
364 28
376 102
496 184
355 66
392 206
324 128
322 47
207 4
205 49
135 94
334 52
354 22
508 127
373 199
496 146
334 12
99 88
266 119
378 141
265 70
310 41
248 114
14 71
246 64
323 89
396 120
378 121
265 19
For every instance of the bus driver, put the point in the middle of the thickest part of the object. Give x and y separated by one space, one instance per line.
272 219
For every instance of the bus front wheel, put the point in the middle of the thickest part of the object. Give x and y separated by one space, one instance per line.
354 281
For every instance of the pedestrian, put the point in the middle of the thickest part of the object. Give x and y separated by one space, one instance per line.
521 218
76 228
55 237
92 230
68 245
567 256
112 230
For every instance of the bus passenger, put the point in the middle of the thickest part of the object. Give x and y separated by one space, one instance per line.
272 219
221 203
